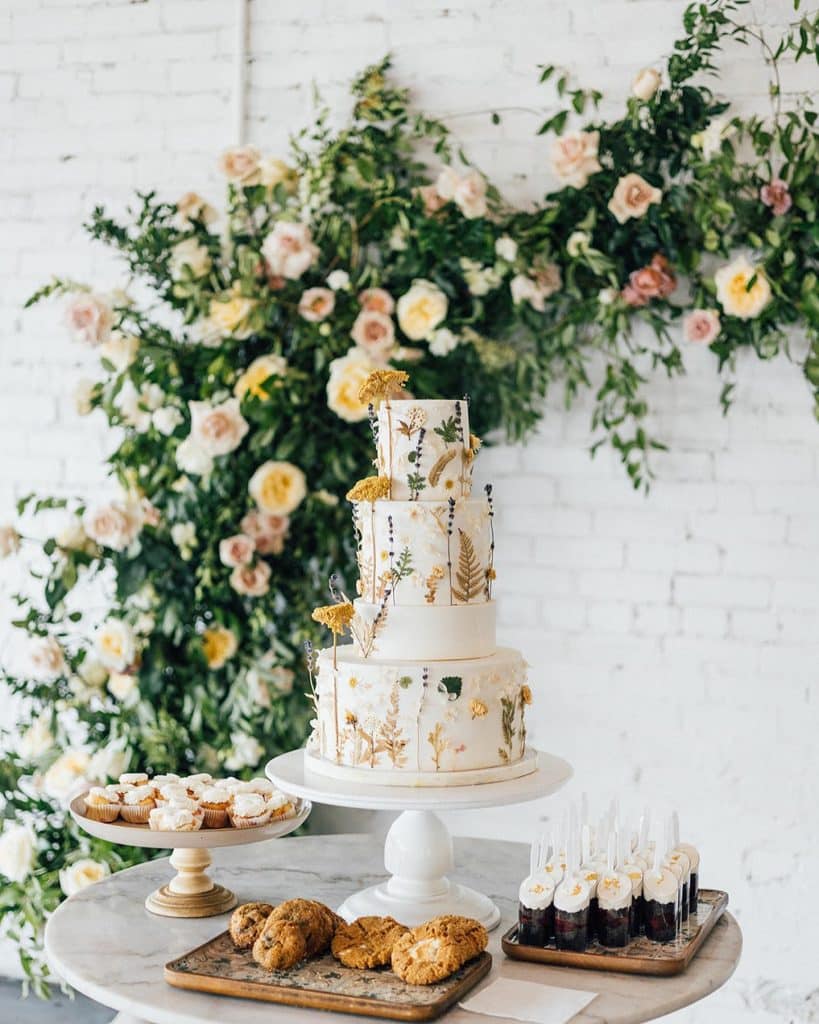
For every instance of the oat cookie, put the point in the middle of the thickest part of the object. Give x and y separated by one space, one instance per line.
367 942
293 931
247 921
433 951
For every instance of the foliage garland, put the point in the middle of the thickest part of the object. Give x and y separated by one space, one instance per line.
231 518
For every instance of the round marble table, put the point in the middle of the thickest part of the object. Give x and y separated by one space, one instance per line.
104 943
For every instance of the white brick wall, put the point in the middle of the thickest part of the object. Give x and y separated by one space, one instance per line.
673 640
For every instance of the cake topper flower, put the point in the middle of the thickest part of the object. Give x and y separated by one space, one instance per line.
382 384
371 488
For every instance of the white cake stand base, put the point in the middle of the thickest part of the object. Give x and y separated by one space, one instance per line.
418 849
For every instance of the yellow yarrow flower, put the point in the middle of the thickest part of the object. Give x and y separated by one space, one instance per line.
382 384
371 488
336 617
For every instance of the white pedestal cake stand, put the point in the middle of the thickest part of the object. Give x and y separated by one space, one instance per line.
191 892
418 849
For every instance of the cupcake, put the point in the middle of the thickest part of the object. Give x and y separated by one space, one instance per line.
571 902
194 784
214 802
137 804
171 792
173 818
536 912
280 806
158 781
613 906
694 878
634 870
661 894
681 866
248 810
133 779
102 803
264 787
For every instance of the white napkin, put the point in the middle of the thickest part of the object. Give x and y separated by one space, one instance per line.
528 1000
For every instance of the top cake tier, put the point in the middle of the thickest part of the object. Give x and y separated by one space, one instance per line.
425 450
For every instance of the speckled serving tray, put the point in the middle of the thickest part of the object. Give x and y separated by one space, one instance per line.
323 983
640 956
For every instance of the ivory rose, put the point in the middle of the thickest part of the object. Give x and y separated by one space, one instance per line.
166 419
251 580
347 374
701 326
421 309
236 550
376 300
189 255
278 487
123 686
17 852
645 84
67 775
115 525
120 350
217 429
190 207
9 540
266 531
254 380
632 197
443 341
506 248
375 333
219 644
273 172
735 293
89 318
115 645
574 157
289 249
240 164
316 304
81 874
190 458
338 280
467 191
231 316
46 659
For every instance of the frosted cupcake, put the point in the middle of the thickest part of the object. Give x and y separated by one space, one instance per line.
571 901
159 781
264 787
694 879
634 870
247 810
137 804
171 792
280 806
661 894
536 912
614 894
133 779
194 784
215 802
172 818
102 804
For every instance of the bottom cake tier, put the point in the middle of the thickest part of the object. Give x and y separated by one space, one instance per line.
399 717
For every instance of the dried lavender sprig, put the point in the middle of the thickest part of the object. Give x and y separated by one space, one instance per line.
459 422
449 521
373 422
490 503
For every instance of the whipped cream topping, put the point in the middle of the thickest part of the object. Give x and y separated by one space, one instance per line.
572 895
114 792
692 853
172 819
662 887
555 869
97 796
675 858
158 781
138 794
277 801
614 890
591 872
133 779
181 801
248 805
537 891
174 791
264 787
634 870
215 795
198 779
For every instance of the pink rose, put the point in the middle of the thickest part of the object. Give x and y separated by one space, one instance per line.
632 197
289 249
701 326
267 531
316 304
668 281
377 300
115 525
632 297
217 429
431 198
241 164
89 319
776 195
375 333
656 281
574 157
236 550
251 580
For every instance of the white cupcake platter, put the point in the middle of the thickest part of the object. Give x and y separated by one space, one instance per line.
191 892
418 849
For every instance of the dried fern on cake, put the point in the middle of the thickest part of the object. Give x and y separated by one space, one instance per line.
471 575
390 740
439 744
508 708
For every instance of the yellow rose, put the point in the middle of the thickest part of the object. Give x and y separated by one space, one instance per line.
230 316
257 373
421 310
277 487
733 293
347 376
218 644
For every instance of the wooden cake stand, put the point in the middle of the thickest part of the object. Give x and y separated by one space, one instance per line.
418 849
191 892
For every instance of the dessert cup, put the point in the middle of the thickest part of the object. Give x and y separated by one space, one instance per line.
572 929
613 928
661 920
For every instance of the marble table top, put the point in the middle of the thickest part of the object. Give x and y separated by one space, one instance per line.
105 943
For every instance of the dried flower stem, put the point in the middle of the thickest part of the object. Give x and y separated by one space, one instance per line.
449 521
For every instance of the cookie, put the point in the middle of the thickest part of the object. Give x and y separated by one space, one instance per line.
293 931
367 942
247 921
433 951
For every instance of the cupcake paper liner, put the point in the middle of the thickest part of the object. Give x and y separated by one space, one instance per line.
259 819
102 812
215 817
135 814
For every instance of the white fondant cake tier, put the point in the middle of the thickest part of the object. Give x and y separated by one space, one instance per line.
424 553
423 633
410 716
424 449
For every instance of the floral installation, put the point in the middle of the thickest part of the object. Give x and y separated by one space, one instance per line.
237 390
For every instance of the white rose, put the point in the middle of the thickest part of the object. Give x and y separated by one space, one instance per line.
192 459
578 243
347 374
123 686
735 293
109 762
82 873
83 395
17 852
470 195
443 341
645 84
289 250
37 739
574 157
338 280
47 659
9 540
115 526
89 318
120 350
115 645
67 775
245 752
446 183
421 310
189 255
217 429
506 248
166 419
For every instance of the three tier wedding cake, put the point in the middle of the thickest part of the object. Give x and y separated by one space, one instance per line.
422 696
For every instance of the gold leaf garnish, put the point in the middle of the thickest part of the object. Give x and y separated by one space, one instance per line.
478 708
371 488
440 466
382 384
336 617
525 694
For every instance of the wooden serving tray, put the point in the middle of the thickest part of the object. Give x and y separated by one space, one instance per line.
640 956
323 983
